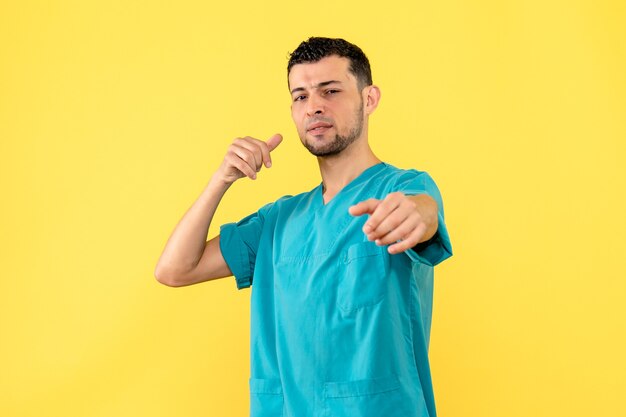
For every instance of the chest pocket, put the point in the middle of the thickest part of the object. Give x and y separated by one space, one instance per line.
364 281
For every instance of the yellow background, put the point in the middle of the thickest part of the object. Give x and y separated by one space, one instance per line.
114 115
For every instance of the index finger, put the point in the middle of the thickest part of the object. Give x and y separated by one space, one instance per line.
367 206
384 209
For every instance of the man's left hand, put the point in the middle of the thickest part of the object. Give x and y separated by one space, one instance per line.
400 220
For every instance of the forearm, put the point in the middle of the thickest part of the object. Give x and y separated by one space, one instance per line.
186 244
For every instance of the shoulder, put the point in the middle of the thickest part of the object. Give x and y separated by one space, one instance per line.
398 177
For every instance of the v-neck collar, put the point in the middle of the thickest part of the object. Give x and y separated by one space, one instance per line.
363 176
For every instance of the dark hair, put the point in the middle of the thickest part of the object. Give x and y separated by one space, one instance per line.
315 48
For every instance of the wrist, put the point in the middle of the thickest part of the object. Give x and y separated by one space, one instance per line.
218 184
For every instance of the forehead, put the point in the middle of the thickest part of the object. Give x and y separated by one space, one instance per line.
329 68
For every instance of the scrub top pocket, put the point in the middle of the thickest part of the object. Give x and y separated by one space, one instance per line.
266 398
363 282
374 397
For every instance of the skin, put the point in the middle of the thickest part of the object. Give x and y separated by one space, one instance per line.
331 115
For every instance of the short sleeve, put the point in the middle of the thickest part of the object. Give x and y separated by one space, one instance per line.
239 243
438 248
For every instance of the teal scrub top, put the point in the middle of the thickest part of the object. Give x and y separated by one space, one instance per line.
339 327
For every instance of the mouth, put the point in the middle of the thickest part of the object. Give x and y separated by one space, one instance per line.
318 128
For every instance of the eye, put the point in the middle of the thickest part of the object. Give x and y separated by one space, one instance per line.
299 98
332 91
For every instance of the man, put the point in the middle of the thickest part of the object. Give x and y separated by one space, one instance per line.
342 275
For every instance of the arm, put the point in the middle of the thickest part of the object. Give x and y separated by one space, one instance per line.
187 258
398 217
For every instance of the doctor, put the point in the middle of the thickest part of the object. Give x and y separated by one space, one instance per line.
341 275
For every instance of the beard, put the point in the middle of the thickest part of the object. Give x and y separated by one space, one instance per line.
340 142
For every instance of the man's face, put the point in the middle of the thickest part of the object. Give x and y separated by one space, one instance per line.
326 106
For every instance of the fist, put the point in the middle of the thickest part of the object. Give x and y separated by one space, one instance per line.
245 157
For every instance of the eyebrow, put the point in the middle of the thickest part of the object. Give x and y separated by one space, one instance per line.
319 85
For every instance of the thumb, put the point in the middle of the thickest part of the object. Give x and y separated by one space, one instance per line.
364 207
274 141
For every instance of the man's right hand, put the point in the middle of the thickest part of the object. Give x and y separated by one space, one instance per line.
187 258
245 157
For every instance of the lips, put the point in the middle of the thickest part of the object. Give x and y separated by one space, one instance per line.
319 127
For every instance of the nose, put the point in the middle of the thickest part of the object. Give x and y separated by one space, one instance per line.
314 105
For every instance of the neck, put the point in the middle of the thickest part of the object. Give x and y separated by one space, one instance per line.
338 170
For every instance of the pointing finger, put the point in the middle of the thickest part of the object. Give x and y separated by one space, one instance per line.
364 207
382 212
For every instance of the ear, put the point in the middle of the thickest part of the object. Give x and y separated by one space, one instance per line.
371 97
